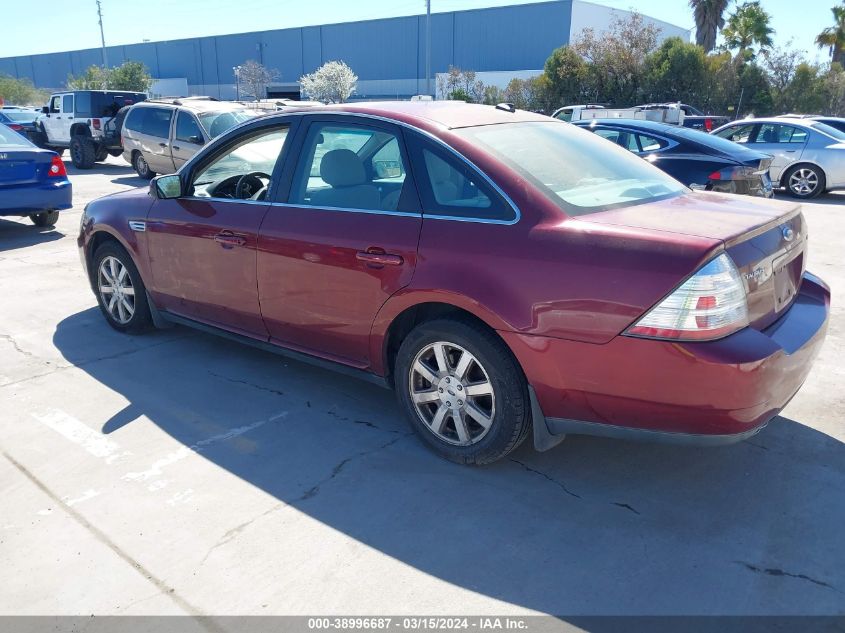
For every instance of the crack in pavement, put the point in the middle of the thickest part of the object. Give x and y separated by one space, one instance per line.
545 476
247 383
774 571
626 506
231 533
59 368
18 348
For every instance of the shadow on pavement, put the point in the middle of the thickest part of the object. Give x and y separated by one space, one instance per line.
592 527
22 233
135 181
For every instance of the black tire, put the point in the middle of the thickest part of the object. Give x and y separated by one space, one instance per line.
116 152
39 139
45 219
511 417
140 320
798 188
82 152
100 153
59 150
141 166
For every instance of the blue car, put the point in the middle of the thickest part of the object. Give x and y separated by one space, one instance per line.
33 181
19 119
698 160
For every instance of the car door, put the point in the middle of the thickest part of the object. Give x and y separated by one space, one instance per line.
202 246
52 119
153 136
341 240
784 143
65 120
188 138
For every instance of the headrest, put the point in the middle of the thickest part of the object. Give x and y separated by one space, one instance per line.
342 168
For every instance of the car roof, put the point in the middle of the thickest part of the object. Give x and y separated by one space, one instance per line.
444 114
195 105
634 124
806 123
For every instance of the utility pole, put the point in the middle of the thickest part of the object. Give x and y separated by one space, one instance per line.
237 71
428 47
103 42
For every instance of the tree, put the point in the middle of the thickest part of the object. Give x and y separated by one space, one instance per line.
333 82
676 71
833 37
94 78
709 19
748 26
132 76
565 78
617 58
20 92
129 75
255 77
461 85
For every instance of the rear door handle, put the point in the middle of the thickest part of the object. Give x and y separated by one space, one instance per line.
176 147
227 239
162 144
377 257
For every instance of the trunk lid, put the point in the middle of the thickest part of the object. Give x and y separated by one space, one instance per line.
23 167
766 239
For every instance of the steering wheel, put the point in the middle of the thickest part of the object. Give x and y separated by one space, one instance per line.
250 184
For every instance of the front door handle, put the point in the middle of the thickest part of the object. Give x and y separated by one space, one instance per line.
227 239
176 147
377 257
162 144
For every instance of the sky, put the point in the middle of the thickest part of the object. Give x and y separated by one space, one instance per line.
72 24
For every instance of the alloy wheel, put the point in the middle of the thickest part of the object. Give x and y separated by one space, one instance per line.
116 289
452 393
803 181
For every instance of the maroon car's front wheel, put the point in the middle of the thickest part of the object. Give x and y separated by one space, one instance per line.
463 391
120 291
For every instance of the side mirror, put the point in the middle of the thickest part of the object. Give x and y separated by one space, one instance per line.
196 140
166 187
45 110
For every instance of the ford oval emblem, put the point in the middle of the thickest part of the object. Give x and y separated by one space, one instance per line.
788 234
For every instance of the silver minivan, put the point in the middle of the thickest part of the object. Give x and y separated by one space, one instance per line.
160 135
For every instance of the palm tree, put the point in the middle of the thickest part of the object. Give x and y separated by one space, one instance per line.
708 20
833 37
748 26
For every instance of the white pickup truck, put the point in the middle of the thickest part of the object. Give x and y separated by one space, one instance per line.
84 122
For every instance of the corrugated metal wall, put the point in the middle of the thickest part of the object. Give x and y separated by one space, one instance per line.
387 55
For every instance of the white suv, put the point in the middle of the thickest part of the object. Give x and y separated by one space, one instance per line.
160 135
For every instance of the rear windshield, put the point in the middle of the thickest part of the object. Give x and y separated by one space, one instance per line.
20 117
10 138
839 135
579 171
710 140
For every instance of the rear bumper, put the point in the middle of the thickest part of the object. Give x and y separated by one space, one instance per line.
705 393
35 198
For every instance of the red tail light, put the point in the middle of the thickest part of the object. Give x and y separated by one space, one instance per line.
15 127
57 168
708 124
95 123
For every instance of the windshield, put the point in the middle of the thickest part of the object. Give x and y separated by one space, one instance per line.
839 135
578 170
215 123
10 138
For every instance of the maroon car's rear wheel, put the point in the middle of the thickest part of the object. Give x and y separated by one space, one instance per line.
463 391
120 292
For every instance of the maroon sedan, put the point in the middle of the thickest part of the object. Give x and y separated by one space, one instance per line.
505 272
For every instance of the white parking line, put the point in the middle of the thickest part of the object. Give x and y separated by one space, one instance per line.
78 433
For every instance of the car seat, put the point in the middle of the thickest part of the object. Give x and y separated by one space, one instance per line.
344 171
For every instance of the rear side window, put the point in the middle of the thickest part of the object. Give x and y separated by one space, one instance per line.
67 104
154 121
134 119
449 187
650 143
776 133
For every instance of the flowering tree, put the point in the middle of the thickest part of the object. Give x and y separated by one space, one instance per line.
333 82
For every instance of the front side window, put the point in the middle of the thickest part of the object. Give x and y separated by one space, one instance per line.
737 133
349 167
187 129
56 104
572 167
67 104
243 170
